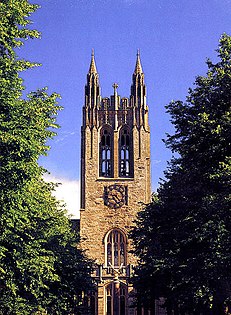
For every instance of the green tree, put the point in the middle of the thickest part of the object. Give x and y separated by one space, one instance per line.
183 238
41 269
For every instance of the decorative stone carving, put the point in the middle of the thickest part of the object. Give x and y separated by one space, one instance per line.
115 196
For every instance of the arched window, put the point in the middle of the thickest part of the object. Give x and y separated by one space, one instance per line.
115 249
125 154
116 298
106 169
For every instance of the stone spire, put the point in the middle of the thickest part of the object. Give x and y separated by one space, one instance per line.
92 68
138 96
92 94
138 68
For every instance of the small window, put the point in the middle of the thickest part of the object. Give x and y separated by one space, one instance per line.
106 154
109 300
125 164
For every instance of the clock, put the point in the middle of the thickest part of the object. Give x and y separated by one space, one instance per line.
115 196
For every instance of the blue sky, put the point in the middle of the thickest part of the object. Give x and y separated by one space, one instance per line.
174 37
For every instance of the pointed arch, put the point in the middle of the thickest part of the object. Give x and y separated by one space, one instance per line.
115 243
106 152
125 152
116 298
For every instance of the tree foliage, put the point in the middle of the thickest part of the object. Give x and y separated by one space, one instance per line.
183 238
41 269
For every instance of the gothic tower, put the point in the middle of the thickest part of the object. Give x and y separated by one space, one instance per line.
115 180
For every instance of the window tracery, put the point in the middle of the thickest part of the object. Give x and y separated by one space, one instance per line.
115 249
116 299
106 154
125 154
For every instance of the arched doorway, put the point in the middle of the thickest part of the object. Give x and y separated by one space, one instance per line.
116 293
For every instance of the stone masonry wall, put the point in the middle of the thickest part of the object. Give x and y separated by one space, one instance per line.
97 219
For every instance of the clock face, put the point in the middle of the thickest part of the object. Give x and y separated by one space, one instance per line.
114 196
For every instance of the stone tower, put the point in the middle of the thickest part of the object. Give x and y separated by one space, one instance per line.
115 180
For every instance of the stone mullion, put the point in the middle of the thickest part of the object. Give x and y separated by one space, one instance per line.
116 155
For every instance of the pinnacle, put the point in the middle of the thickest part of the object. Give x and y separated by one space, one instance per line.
138 68
92 68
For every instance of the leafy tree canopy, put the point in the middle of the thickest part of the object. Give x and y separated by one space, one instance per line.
183 238
41 269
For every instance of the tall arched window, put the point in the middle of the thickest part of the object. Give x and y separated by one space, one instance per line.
116 299
125 154
115 249
106 168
